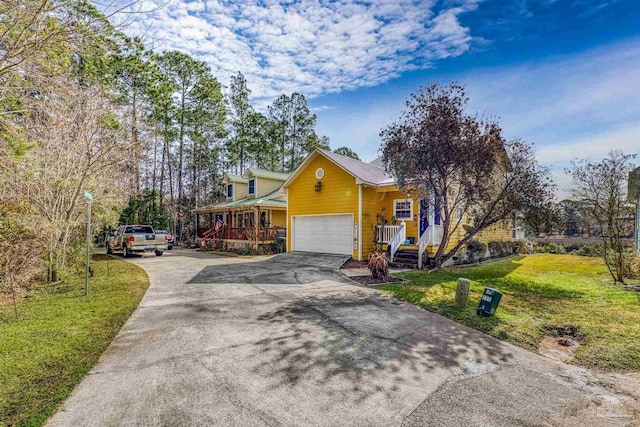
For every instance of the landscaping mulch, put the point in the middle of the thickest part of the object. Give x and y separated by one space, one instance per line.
369 280
352 263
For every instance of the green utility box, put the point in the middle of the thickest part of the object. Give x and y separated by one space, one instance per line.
489 302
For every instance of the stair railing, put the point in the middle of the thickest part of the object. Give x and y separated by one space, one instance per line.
423 242
398 238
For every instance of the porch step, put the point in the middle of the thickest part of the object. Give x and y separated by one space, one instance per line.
405 258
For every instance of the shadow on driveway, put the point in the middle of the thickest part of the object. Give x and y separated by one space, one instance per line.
370 345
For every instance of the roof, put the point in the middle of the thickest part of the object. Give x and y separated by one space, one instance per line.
633 186
366 172
262 173
264 201
235 178
377 162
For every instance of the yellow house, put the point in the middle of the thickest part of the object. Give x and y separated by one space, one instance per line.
254 211
336 204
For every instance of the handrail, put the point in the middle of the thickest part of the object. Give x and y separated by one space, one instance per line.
423 242
212 232
386 232
396 241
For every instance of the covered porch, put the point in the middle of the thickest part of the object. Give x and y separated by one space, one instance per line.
250 223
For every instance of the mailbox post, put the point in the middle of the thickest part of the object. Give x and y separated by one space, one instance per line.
89 197
489 302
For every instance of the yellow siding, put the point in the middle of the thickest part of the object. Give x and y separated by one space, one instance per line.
500 231
266 186
240 190
380 204
339 193
278 218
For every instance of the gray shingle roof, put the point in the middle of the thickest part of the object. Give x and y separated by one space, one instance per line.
367 172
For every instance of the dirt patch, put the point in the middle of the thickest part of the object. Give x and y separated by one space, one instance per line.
369 280
561 342
558 348
352 263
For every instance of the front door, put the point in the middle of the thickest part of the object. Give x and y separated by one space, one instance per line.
424 215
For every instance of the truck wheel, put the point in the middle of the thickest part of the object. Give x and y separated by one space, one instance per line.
109 250
159 253
125 252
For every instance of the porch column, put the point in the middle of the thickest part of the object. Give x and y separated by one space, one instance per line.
257 220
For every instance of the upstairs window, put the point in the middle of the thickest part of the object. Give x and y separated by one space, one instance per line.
403 209
252 187
229 191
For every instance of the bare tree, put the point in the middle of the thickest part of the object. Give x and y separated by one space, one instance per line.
472 175
599 186
77 143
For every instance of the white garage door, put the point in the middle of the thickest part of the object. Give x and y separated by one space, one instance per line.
332 234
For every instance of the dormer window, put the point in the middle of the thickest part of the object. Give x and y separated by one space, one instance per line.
229 191
252 187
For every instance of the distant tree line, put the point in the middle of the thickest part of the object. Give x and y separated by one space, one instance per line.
150 134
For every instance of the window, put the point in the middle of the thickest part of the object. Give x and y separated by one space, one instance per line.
459 213
252 186
403 209
229 191
139 229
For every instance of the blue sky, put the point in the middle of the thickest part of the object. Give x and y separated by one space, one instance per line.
564 75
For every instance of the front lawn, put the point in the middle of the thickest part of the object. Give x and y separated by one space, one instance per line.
59 335
542 294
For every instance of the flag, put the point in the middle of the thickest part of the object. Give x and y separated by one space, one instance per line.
219 224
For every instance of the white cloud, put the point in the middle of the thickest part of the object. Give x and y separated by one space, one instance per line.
311 46
597 146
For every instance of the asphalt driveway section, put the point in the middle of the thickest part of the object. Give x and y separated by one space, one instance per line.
208 348
290 268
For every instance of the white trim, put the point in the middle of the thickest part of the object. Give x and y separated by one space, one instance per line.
255 187
233 191
329 214
359 222
410 218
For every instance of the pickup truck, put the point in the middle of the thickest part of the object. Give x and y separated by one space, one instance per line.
132 239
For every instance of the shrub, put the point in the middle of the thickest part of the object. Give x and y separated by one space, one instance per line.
524 247
246 251
502 248
552 248
635 266
476 250
378 265
591 250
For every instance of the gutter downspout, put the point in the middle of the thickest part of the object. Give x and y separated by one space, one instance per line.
359 222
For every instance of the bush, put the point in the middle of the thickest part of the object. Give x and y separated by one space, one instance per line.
635 266
524 247
476 250
246 251
591 250
502 248
552 248
378 265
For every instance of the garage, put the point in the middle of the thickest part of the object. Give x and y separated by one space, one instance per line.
332 234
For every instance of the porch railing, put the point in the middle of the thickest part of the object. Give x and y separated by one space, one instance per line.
398 239
386 232
432 236
240 233
423 241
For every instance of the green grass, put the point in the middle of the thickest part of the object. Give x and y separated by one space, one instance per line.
541 292
59 335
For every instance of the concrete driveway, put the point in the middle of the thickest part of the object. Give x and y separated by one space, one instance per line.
289 341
